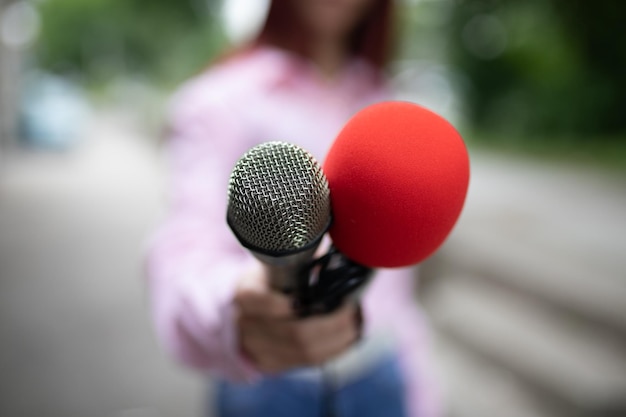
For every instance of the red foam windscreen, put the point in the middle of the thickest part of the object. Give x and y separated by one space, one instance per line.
398 176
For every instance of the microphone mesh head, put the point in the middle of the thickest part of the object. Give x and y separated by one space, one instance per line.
278 199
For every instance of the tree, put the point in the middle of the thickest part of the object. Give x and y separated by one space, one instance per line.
99 39
540 67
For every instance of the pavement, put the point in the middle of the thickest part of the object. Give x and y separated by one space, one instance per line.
76 338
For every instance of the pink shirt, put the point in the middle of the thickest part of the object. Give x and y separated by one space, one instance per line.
194 260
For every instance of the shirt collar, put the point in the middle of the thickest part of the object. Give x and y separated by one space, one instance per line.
290 69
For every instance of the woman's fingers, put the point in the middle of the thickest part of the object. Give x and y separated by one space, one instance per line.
263 342
280 344
276 340
264 304
322 338
255 298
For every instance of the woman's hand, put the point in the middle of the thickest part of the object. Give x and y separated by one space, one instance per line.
276 340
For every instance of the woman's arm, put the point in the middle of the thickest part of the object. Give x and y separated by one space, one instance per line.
195 265
193 261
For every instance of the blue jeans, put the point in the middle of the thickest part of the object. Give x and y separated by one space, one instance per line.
378 392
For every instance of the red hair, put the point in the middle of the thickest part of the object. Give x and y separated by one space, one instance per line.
370 40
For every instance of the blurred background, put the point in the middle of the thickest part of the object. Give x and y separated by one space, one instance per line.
527 298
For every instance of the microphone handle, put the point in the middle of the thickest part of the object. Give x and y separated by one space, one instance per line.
286 271
317 286
330 281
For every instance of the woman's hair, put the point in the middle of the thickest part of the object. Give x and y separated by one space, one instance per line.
370 40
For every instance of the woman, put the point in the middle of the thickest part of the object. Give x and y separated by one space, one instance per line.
314 64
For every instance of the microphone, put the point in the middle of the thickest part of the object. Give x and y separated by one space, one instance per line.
279 209
398 175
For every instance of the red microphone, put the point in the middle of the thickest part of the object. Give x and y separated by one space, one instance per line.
398 176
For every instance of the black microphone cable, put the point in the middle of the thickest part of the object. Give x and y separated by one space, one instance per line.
323 287
325 283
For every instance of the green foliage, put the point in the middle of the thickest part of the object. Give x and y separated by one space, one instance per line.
561 70
100 39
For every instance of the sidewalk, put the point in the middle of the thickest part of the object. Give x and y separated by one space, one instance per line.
76 336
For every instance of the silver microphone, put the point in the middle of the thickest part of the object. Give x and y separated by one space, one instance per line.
279 208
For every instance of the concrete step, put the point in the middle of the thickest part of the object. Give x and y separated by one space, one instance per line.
555 231
573 213
474 387
571 283
552 353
